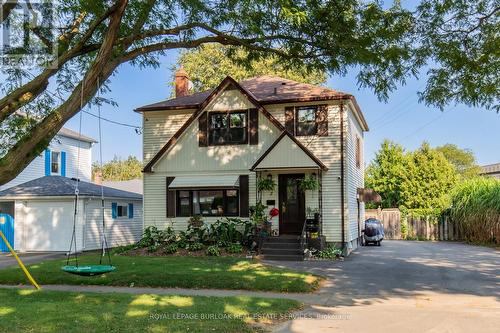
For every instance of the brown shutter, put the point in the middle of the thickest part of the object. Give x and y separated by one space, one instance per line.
244 199
322 120
203 130
253 126
170 198
289 119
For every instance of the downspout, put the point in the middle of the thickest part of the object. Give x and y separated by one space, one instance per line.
342 185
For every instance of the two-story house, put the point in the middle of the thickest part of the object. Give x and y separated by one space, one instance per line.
37 208
204 153
60 159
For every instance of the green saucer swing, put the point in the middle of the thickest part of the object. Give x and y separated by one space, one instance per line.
88 270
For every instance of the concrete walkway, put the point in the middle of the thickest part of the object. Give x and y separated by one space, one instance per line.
304 298
8 260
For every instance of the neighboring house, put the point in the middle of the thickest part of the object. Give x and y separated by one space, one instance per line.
204 152
60 159
38 215
491 170
133 185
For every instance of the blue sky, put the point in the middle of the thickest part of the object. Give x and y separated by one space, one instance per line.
402 119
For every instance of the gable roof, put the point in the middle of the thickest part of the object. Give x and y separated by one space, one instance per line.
276 145
262 88
58 186
66 132
228 81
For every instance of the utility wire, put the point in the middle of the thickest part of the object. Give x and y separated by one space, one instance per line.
138 129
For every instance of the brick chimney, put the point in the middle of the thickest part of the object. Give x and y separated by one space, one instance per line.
181 83
98 177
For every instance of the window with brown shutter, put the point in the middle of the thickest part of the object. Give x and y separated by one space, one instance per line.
253 126
289 119
358 152
244 196
203 130
322 120
170 198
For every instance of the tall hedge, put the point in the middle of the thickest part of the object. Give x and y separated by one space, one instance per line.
476 209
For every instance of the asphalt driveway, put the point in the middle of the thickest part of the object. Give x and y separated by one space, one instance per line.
406 286
7 260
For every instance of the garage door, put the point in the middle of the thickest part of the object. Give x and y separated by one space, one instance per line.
49 226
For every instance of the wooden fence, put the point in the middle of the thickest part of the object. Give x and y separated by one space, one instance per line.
409 227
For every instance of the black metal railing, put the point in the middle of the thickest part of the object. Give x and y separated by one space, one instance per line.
303 238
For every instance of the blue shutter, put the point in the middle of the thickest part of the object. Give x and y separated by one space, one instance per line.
114 210
47 162
130 211
63 163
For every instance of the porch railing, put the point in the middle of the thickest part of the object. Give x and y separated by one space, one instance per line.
303 237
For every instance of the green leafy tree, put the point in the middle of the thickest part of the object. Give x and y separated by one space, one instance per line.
386 172
209 64
453 44
463 160
427 180
118 169
419 179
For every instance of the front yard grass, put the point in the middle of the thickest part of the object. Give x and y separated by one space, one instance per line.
54 311
173 272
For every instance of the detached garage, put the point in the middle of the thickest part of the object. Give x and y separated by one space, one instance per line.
37 216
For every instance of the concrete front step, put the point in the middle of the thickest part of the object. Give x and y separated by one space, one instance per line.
281 239
282 257
281 245
274 251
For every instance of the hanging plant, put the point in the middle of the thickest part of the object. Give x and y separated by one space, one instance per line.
309 183
265 184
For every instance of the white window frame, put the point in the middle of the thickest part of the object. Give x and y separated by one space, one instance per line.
58 162
118 205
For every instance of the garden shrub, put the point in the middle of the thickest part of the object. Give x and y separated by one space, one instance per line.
330 252
230 230
234 248
171 248
195 246
213 251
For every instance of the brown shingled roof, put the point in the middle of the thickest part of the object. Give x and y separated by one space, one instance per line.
262 88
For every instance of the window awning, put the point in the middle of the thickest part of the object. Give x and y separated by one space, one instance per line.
209 181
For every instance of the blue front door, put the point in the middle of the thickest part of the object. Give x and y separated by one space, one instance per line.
7 228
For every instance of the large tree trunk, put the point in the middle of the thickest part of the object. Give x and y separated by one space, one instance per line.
38 139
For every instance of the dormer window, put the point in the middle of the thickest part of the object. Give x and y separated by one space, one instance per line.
55 163
227 128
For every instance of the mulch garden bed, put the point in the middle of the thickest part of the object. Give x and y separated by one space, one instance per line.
184 253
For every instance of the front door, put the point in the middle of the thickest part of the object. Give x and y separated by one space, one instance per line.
291 203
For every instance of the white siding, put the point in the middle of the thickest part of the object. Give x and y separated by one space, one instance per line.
187 158
119 231
36 168
355 176
327 149
287 154
158 128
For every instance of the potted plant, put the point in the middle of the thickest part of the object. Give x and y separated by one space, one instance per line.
309 183
265 184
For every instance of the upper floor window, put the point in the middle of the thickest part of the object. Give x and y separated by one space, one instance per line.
55 163
358 152
306 120
227 128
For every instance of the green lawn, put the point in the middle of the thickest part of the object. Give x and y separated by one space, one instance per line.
51 311
181 272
